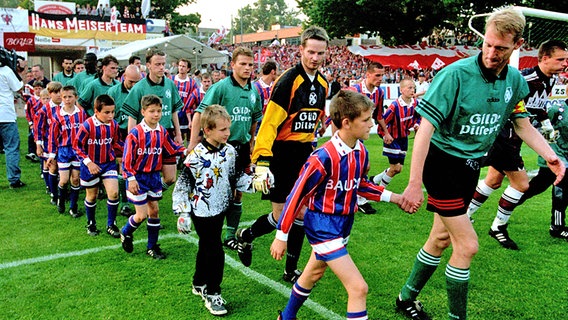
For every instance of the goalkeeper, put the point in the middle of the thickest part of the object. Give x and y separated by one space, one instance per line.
504 158
284 143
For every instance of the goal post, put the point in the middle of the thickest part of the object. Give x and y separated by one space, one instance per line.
541 25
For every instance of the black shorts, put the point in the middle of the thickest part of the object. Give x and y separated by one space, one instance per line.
242 161
287 161
450 182
505 155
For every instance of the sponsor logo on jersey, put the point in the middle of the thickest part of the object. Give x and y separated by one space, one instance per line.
305 121
142 151
538 101
340 185
240 114
481 124
99 141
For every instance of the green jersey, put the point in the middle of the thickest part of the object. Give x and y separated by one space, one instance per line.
166 90
242 103
81 79
119 93
558 115
468 106
91 90
63 78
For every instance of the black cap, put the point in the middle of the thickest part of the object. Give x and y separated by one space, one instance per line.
90 56
421 74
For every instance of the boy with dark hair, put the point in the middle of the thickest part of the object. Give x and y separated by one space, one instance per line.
328 185
97 144
144 148
62 133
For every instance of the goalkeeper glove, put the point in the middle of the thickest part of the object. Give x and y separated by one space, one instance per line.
184 223
263 179
548 131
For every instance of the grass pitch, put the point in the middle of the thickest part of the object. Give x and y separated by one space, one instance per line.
51 269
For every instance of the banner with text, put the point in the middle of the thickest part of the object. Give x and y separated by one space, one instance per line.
62 26
19 41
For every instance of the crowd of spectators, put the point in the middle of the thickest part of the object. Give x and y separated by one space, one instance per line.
344 66
105 12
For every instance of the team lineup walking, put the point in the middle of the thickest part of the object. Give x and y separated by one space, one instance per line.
212 141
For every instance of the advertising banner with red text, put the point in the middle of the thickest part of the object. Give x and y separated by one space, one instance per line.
19 41
90 27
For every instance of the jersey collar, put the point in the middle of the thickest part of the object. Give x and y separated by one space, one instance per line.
341 147
65 113
152 83
147 128
236 84
97 122
488 75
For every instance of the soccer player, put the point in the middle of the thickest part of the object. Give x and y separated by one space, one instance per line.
97 144
144 148
203 188
264 83
465 108
85 76
328 185
43 121
62 132
43 104
157 84
242 101
371 87
31 108
284 142
78 66
66 73
119 93
100 85
186 86
504 158
400 117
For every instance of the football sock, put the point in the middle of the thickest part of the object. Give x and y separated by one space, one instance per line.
90 209
457 281
233 218
153 226
360 315
265 224
130 226
482 192
112 207
295 242
45 176
507 204
424 266
386 179
74 197
122 189
53 186
378 178
559 204
165 186
62 193
297 298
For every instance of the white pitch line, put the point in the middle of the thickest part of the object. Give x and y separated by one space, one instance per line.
258 277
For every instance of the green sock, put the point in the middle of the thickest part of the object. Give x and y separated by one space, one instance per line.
424 266
233 218
457 281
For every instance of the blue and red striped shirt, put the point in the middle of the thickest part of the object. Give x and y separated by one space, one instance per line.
98 142
143 149
264 92
64 127
377 96
186 87
401 117
330 181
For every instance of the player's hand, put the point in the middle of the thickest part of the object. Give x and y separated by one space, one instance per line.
412 198
39 150
278 248
133 187
93 168
50 161
387 138
263 179
547 130
557 166
184 223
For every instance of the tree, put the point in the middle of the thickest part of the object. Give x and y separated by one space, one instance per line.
405 21
262 14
